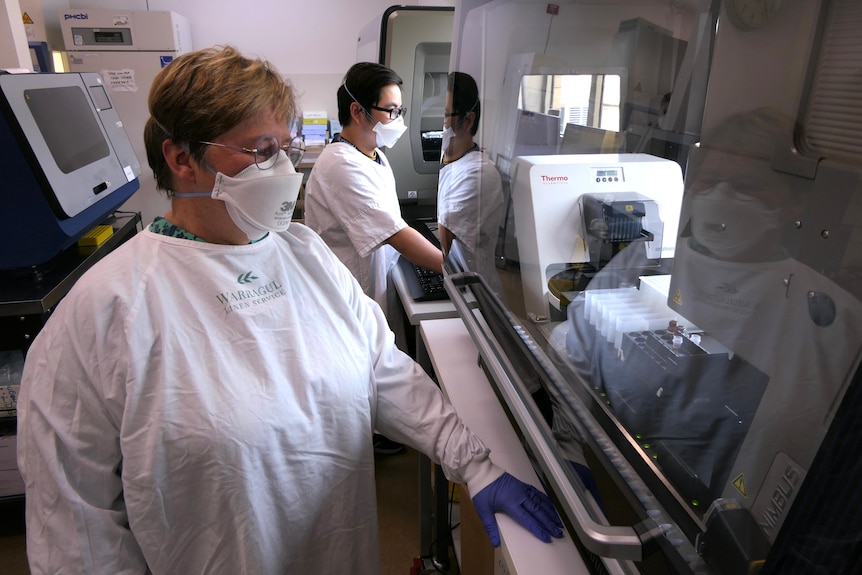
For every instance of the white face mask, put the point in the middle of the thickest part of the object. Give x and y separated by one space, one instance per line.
388 134
448 134
258 201
728 223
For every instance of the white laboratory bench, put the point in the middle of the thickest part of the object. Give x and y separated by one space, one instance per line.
454 357
416 312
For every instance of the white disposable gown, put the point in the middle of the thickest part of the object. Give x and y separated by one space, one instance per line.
797 327
201 408
470 205
351 201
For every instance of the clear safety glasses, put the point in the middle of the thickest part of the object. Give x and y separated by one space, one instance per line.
266 151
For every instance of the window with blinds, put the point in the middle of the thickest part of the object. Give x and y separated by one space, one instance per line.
832 124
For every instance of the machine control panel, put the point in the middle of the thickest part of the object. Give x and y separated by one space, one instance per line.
605 175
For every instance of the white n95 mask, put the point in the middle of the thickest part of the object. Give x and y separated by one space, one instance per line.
260 201
388 134
728 223
448 134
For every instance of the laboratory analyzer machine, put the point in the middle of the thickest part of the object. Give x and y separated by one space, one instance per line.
128 49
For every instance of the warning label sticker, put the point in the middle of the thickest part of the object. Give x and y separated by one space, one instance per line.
739 483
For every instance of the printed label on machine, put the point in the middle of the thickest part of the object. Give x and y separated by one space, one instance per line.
120 80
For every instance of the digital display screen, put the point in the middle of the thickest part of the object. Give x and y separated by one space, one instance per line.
110 37
606 175
65 119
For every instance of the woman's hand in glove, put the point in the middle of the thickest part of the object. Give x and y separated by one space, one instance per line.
520 501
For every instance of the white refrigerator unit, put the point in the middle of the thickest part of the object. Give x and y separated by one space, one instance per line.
128 48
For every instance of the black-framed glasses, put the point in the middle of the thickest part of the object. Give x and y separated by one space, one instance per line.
393 112
266 151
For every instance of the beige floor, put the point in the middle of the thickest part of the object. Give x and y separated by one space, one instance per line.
398 503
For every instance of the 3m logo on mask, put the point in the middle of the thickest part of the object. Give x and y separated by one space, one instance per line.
287 207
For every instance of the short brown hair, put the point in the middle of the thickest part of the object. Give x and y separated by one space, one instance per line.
203 94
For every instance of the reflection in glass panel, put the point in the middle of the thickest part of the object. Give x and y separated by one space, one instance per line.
470 195
581 99
706 314
711 365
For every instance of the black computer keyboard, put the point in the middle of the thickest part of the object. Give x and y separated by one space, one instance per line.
423 284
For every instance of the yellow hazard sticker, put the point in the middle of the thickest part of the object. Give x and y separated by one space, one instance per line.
27 19
739 483
677 297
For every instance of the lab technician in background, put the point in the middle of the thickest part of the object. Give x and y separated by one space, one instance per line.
352 202
203 399
470 192
350 196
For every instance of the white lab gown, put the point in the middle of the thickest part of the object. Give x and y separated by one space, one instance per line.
470 205
351 201
201 408
775 316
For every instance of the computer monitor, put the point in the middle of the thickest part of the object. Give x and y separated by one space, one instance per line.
67 163
579 139
536 134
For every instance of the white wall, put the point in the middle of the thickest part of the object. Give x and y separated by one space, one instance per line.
41 12
312 42
14 52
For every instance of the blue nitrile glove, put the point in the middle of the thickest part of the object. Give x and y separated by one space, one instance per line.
520 501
